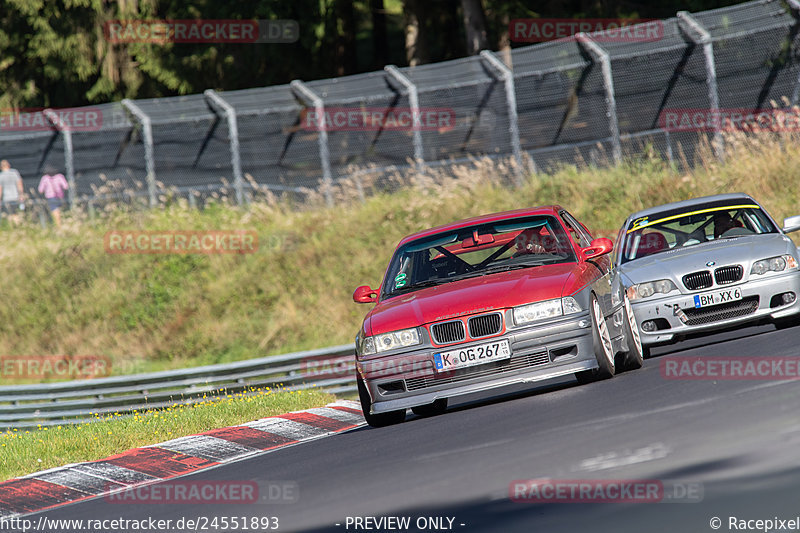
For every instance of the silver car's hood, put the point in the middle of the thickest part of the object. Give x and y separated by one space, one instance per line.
673 264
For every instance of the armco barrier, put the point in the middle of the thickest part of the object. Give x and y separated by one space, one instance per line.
74 402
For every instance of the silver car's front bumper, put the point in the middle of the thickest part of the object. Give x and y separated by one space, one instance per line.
558 348
672 308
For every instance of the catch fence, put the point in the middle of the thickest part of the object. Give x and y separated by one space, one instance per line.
579 100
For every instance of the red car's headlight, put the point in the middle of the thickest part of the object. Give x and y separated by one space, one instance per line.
525 314
390 341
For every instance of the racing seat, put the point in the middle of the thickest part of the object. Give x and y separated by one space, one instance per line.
651 243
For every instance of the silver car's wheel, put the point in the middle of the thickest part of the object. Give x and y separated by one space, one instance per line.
634 358
603 349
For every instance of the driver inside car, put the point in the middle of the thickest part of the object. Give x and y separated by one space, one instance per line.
722 223
533 241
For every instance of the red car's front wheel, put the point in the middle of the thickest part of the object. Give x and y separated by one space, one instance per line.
603 348
380 419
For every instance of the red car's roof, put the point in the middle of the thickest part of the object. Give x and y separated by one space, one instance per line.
484 219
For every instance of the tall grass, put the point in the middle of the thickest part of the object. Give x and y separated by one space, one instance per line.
63 294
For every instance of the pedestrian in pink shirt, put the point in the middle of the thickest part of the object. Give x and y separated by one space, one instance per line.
53 187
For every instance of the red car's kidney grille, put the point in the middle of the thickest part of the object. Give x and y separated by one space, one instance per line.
728 274
447 332
698 280
499 367
485 325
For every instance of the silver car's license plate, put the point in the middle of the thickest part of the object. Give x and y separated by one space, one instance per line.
474 355
717 297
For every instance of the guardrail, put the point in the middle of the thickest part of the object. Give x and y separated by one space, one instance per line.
48 404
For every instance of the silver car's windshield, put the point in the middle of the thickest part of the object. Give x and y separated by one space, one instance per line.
675 229
476 251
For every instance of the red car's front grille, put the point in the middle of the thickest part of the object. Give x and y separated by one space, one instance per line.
447 332
485 325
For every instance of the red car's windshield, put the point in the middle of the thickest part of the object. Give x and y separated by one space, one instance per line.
476 251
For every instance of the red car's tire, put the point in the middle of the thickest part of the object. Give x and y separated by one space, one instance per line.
380 419
603 348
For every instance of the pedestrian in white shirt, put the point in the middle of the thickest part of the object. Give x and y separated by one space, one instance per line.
11 191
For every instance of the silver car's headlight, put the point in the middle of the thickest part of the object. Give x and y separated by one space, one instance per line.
390 341
525 314
773 264
649 288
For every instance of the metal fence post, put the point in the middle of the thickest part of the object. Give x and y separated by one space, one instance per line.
413 102
218 103
511 101
147 138
687 22
608 82
795 6
322 129
69 164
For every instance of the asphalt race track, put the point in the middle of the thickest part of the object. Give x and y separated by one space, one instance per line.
734 444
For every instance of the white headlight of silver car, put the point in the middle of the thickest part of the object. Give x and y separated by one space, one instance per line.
773 264
649 288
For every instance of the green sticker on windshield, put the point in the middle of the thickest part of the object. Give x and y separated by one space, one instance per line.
400 280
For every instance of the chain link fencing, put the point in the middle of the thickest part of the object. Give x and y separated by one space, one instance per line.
581 100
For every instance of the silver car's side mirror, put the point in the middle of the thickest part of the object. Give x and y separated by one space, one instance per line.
791 224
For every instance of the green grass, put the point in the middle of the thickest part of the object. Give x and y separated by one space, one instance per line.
27 451
63 294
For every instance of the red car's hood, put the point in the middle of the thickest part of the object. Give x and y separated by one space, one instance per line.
468 296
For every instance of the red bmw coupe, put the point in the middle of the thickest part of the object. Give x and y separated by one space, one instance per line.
512 297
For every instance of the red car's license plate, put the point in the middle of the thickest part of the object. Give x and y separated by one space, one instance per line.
474 355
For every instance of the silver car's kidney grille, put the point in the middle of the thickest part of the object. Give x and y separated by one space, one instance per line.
485 325
718 313
728 274
489 369
698 280
447 332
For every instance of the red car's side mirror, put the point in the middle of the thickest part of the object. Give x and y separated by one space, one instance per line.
597 248
365 295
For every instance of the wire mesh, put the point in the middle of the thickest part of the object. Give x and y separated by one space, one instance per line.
561 104
473 95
